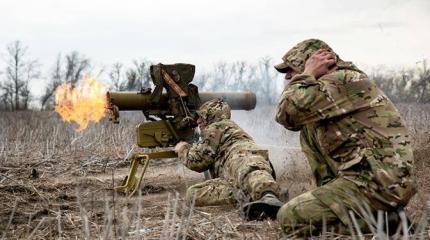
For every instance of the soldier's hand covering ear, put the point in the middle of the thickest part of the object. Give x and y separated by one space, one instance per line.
320 63
179 146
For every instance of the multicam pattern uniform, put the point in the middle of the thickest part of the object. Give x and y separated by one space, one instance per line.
235 162
354 139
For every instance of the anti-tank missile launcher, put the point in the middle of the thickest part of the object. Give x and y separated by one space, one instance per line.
170 113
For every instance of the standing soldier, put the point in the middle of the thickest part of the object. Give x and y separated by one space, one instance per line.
352 135
239 168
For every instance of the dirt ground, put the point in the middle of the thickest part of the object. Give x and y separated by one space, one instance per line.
46 200
56 183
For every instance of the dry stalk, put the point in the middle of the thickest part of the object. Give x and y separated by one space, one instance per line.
387 229
356 226
84 217
258 236
29 221
35 229
12 214
404 224
423 223
182 222
190 214
139 211
60 233
125 223
380 227
368 217
108 223
166 219
113 202
351 228
324 228
173 221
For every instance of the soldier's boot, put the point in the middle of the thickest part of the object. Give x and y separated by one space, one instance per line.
265 207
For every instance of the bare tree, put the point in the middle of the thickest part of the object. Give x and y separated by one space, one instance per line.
220 77
132 82
406 85
142 70
240 76
55 80
135 77
202 81
116 77
70 69
239 72
422 86
266 79
19 72
138 76
76 65
6 98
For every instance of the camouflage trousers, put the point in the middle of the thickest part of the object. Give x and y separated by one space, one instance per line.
327 206
243 177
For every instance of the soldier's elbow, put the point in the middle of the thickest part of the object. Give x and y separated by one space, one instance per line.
288 124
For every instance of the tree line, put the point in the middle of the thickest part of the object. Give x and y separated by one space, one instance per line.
410 85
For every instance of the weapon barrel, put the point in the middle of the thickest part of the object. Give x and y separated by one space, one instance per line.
134 101
131 101
236 100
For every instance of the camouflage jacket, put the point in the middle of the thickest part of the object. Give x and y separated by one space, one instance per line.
350 129
220 140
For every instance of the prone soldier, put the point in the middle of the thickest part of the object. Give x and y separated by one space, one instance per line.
240 169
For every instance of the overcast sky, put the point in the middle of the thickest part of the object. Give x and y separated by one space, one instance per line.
204 32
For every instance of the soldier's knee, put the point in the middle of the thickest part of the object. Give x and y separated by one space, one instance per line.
297 211
286 216
292 221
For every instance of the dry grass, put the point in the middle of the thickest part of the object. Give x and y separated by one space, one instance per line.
418 121
55 183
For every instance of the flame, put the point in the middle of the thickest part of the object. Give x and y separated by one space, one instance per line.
82 104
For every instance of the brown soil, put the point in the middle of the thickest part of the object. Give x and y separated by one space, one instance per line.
57 201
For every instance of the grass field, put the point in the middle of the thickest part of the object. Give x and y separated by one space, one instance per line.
56 183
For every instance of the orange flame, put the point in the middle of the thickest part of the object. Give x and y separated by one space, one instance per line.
82 104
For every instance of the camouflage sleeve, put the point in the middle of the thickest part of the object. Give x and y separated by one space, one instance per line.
306 100
201 156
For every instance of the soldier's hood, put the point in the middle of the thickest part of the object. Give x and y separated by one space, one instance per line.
296 57
213 111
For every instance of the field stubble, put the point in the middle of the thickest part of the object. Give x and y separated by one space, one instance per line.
56 183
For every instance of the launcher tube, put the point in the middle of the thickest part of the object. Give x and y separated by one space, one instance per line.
131 101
